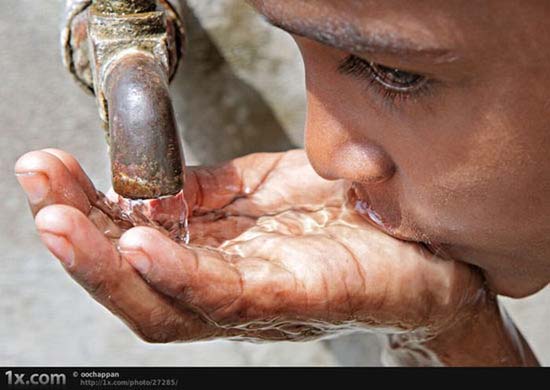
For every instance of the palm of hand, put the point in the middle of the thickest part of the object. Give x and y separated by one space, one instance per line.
275 253
298 237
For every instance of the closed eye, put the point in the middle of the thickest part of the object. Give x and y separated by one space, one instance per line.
392 83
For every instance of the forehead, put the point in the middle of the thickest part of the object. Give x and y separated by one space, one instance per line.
392 27
474 26
443 18
374 8
328 20
365 10
425 23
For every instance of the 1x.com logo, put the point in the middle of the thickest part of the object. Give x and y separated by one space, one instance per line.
54 379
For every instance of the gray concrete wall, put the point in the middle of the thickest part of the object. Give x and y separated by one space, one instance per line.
240 90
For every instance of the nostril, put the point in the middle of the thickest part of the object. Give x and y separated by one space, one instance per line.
357 162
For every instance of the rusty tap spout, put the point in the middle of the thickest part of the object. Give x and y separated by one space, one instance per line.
126 52
146 156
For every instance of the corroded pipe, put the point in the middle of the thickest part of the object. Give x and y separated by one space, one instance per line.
146 154
125 6
125 52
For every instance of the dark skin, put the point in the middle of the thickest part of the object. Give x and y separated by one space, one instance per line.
427 194
430 170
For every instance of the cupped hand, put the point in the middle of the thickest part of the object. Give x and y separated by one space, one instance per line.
276 253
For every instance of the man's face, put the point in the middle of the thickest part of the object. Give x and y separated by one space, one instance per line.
438 112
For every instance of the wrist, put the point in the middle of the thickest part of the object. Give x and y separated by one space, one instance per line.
484 337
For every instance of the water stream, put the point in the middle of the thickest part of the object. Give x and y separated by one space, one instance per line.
168 214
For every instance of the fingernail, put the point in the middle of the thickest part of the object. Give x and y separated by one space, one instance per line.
60 247
35 184
138 260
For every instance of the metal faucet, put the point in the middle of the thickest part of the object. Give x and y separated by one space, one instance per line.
126 52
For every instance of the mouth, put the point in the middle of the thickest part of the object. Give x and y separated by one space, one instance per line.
393 227
376 220
392 222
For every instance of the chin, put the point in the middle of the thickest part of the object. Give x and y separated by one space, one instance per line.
513 286
505 275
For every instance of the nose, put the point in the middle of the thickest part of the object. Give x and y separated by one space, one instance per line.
358 162
339 152
362 162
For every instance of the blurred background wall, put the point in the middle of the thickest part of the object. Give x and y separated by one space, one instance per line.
239 90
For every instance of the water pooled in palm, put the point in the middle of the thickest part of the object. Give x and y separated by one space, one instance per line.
168 214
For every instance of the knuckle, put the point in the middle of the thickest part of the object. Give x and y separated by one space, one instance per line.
161 328
98 288
101 288
185 295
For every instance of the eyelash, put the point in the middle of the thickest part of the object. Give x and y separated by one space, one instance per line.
374 74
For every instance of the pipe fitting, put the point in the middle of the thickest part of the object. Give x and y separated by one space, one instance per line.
146 156
126 52
125 6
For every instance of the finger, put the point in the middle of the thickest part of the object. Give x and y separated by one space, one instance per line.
46 181
215 284
213 188
95 264
261 183
74 167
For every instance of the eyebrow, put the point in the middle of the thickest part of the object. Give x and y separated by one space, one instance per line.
346 36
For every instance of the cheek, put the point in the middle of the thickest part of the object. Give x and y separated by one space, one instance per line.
467 173
350 136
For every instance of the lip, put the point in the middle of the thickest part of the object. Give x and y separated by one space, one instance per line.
376 220
364 208
360 201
